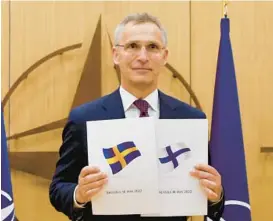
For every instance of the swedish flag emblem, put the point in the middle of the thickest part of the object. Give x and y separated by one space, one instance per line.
121 155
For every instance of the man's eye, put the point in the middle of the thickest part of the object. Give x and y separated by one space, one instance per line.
153 46
133 45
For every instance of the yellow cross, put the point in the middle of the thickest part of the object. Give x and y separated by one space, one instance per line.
119 156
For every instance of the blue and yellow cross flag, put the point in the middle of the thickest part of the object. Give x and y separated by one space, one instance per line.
121 155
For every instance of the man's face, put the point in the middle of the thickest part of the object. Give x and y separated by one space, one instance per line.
140 54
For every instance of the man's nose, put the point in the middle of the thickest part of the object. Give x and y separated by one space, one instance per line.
143 54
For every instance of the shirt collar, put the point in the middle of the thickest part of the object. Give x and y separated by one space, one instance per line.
128 99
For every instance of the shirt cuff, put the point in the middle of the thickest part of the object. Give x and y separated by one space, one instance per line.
213 203
76 204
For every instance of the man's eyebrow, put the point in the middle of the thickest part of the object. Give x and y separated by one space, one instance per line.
147 42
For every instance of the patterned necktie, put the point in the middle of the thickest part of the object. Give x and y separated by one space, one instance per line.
143 106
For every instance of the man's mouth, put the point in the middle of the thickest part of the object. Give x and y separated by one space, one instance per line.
142 69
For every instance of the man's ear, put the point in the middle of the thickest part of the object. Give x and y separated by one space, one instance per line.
165 55
115 53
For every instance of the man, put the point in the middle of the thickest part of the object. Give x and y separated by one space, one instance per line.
140 52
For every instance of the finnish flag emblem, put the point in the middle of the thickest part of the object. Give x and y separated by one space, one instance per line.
172 156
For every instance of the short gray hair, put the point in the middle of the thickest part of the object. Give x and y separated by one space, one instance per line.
139 18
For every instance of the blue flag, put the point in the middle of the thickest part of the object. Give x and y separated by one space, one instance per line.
7 205
226 141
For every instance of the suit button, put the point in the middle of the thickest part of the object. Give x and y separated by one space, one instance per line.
215 214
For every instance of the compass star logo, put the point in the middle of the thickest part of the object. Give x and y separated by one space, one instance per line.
7 213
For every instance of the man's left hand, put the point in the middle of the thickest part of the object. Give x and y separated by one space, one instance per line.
210 180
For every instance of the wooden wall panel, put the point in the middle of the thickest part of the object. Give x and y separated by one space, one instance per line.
251 34
46 95
259 51
5 53
44 27
38 28
49 90
5 48
32 199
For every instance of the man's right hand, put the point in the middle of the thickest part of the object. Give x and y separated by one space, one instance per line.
90 182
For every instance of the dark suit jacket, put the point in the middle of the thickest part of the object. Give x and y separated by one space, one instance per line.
73 154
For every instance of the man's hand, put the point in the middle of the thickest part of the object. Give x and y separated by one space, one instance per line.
210 180
90 182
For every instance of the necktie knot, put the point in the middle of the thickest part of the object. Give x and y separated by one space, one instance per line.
143 106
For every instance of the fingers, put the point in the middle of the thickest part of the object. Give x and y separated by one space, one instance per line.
210 180
208 184
202 175
212 196
91 178
91 193
88 170
94 185
207 168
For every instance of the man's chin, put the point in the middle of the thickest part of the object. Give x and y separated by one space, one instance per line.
141 81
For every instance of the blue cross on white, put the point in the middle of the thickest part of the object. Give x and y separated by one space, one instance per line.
171 156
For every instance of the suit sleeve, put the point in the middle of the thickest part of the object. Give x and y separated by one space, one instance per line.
215 210
72 159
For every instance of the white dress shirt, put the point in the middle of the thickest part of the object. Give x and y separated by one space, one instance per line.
131 111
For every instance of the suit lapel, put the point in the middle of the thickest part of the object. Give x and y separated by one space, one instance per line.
167 106
113 106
